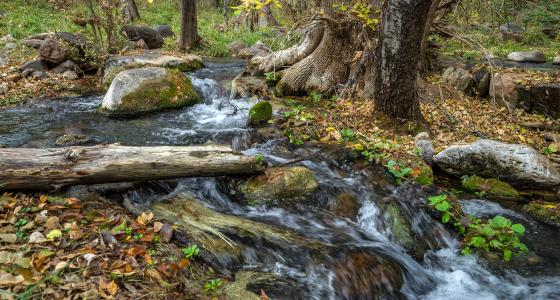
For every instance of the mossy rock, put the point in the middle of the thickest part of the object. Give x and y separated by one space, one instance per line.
545 212
399 226
280 185
491 187
260 113
139 91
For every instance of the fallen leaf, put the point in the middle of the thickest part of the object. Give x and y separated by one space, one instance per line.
52 223
145 218
112 288
61 265
53 234
158 226
7 279
37 238
9 238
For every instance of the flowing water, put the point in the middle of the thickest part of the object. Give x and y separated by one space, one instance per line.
329 257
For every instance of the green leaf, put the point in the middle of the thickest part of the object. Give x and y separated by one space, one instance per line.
507 254
466 251
443 206
437 199
445 218
477 241
496 244
518 228
499 222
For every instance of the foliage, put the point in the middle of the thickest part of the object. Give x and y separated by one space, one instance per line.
191 251
397 170
212 286
498 234
260 159
360 10
272 77
314 96
254 5
550 149
347 135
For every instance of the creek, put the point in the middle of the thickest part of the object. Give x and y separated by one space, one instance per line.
315 253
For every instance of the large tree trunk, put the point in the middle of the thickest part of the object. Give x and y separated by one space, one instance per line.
188 38
131 10
397 56
46 169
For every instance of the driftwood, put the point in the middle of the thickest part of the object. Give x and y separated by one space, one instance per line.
44 169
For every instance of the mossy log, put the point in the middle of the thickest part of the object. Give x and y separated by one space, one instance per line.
45 169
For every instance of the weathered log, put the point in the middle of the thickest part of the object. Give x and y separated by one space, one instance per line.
44 169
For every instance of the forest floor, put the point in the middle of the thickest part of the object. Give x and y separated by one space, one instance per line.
63 248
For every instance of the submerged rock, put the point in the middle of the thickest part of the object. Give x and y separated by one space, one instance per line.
491 187
518 165
345 205
117 64
546 212
143 90
248 285
260 113
399 226
279 184
527 56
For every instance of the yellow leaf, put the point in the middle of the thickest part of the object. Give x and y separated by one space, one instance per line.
112 288
53 234
145 218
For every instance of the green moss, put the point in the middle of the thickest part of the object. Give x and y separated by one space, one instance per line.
546 212
399 226
173 91
260 113
493 188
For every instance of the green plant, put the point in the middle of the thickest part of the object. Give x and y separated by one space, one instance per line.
314 96
191 251
212 286
260 159
347 135
397 170
271 77
498 234
550 149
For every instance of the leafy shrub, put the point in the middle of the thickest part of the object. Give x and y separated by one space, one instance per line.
397 170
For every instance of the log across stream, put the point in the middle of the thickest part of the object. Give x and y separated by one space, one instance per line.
51 168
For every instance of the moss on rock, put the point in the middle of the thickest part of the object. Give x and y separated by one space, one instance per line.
279 184
399 226
260 113
546 212
426 176
491 187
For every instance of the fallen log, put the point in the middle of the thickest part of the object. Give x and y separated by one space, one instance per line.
45 169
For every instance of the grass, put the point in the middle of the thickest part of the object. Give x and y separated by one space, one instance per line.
23 18
532 40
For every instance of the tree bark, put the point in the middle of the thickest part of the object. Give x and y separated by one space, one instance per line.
45 169
132 12
397 56
188 38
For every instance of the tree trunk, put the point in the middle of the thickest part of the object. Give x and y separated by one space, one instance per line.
188 38
426 62
397 56
131 10
44 169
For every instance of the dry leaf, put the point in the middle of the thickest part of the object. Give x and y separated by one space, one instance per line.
112 288
158 226
9 238
145 218
7 279
37 238
52 223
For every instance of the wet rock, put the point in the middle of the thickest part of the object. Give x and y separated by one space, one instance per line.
70 75
491 187
248 285
364 275
260 113
9 47
399 226
151 37
280 184
527 56
66 66
143 90
53 51
345 205
518 165
545 212
245 85
164 30
235 47
556 60
72 140
116 64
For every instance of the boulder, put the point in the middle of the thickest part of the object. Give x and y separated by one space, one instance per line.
490 187
556 60
481 82
235 47
260 113
143 90
70 75
518 165
39 74
33 43
508 91
152 38
66 66
164 30
527 56
459 78
53 51
32 66
245 85
116 64
279 185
